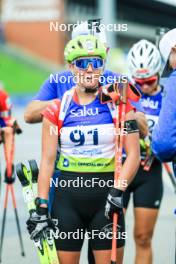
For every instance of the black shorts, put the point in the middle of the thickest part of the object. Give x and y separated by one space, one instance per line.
80 211
146 187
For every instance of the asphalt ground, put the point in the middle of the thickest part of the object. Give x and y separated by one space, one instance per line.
28 147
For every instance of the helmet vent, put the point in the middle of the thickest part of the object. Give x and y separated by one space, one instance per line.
141 51
151 52
133 63
96 44
80 44
150 61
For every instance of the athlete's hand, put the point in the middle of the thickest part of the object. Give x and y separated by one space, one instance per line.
17 128
114 203
12 122
38 222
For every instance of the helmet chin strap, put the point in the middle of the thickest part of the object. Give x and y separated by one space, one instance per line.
89 90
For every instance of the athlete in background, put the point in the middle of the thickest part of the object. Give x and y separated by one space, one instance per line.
8 124
144 63
164 134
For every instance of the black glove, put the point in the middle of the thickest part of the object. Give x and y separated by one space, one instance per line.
17 128
9 179
39 222
114 203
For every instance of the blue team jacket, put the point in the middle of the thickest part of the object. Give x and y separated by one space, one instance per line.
164 133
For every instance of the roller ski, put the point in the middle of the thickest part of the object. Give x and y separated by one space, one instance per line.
44 242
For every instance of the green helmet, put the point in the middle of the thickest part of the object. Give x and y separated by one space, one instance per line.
82 46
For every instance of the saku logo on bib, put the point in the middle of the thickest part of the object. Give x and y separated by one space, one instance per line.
84 112
150 103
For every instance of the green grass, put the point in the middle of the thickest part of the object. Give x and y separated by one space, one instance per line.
20 77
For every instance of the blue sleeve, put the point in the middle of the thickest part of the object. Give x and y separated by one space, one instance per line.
109 77
55 86
138 106
2 123
47 92
164 133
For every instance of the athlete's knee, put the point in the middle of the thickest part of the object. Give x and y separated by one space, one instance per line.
68 257
143 239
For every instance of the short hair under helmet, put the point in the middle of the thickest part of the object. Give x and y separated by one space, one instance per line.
82 46
144 59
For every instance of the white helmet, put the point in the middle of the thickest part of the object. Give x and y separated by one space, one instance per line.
84 29
144 59
167 42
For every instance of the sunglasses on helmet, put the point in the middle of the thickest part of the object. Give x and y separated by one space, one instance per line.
148 81
83 64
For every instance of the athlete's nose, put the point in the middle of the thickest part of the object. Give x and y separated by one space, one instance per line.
144 86
90 68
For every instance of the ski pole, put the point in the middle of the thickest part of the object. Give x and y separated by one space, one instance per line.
17 221
120 122
9 180
4 221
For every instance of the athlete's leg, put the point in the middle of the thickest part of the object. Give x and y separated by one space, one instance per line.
8 143
69 223
147 199
91 258
70 257
120 251
145 220
104 256
120 254
102 243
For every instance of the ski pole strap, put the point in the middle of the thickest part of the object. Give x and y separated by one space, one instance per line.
39 201
131 126
123 92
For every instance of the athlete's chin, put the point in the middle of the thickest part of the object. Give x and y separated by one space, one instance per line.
90 85
146 91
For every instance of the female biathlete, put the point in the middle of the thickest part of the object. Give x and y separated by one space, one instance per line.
87 149
144 63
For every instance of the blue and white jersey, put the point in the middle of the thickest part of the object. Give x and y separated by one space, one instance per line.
152 105
87 138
